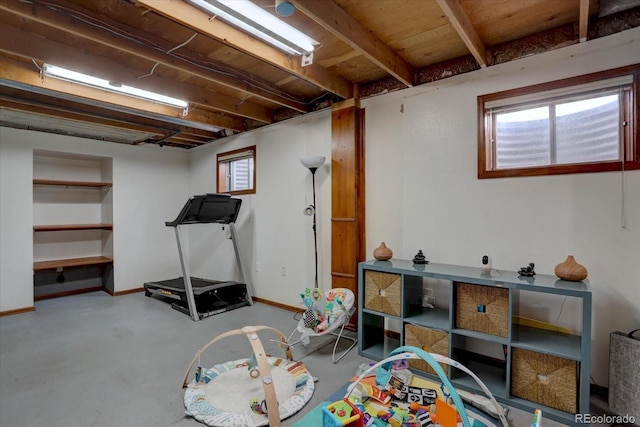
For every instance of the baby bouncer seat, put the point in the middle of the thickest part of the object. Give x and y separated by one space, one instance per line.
327 314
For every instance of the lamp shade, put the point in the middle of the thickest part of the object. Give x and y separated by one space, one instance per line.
312 161
284 8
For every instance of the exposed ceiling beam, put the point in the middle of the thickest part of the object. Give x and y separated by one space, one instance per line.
342 25
30 46
17 72
26 76
31 102
465 30
30 106
199 21
21 102
64 22
195 119
583 26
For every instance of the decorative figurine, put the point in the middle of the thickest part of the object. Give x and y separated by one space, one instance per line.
420 258
527 271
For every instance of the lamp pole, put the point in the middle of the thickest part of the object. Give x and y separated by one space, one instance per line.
315 234
313 163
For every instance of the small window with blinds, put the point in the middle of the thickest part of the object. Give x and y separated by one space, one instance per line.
237 171
582 124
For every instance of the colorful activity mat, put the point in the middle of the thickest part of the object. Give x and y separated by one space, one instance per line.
245 392
421 393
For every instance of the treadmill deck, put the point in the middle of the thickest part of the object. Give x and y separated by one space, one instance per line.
199 285
211 296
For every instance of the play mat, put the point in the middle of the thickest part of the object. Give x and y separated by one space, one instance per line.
244 392
386 393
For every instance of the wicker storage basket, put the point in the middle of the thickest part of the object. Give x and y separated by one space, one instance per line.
382 292
482 308
429 340
545 379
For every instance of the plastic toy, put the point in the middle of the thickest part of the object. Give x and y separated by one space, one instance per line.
537 418
373 392
446 415
258 407
312 317
342 413
394 416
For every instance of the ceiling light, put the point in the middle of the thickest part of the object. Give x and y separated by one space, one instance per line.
256 21
75 77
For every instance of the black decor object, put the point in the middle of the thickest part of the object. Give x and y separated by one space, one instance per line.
527 271
420 258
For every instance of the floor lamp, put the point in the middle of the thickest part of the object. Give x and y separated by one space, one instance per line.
313 163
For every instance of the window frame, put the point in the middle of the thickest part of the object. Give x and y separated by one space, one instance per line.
630 149
225 158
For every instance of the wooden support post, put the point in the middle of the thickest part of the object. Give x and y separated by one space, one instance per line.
347 195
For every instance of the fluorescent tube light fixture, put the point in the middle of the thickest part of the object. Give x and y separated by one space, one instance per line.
85 79
251 18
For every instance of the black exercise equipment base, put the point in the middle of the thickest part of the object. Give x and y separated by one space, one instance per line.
211 296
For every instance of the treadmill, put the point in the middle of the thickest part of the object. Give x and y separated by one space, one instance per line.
196 297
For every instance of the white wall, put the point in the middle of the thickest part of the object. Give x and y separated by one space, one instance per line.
273 232
150 185
423 192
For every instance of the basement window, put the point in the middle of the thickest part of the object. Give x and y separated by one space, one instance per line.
236 171
576 125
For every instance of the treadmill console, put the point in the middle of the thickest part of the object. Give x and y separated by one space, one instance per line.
207 209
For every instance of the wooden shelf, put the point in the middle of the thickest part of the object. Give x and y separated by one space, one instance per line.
71 227
62 183
70 262
73 220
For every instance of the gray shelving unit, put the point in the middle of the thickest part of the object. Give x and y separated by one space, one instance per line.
380 306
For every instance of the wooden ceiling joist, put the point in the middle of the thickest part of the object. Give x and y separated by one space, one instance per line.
21 74
20 100
13 100
338 22
583 24
461 23
234 82
30 46
64 22
17 104
201 22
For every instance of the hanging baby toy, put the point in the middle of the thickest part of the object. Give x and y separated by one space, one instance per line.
312 317
333 307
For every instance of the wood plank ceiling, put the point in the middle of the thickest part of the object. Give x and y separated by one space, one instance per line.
234 83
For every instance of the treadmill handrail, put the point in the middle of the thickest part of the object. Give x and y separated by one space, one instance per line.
195 210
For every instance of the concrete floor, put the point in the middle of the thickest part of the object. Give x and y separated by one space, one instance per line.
99 361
